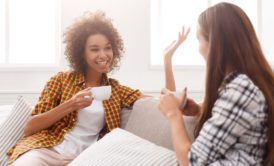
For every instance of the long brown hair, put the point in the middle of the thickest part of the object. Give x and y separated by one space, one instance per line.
233 43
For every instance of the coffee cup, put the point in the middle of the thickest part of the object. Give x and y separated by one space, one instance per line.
101 92
178 95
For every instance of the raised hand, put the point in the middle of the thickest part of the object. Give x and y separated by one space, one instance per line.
168 53
182 36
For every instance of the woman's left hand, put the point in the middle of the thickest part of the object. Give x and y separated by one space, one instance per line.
169 51
169 104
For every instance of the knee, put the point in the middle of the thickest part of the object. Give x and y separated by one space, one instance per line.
32 157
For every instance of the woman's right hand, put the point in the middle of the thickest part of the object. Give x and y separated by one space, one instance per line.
169 51
82 99
188 106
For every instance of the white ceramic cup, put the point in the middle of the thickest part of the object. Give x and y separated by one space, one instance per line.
179 96
101 92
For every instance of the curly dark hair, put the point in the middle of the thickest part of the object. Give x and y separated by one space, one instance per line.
76 35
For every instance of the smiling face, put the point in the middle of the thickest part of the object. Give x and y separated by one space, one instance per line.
98 53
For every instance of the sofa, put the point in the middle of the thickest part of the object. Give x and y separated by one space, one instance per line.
143 139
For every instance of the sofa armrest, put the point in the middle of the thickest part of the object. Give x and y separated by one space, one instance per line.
147 122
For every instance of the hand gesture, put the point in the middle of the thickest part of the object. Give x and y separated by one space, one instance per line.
182 36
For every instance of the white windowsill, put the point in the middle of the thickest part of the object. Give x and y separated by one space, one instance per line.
20 68
179 67
186 67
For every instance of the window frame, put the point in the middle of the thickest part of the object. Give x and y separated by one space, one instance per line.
155 8
6 66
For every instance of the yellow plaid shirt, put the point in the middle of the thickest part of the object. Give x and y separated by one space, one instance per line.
61 88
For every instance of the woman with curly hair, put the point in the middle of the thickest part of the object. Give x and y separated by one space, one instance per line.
66 119
237 116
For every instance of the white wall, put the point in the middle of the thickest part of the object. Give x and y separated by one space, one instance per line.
132 19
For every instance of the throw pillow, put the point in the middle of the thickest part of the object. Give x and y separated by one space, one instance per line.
120 147
4 112
11 130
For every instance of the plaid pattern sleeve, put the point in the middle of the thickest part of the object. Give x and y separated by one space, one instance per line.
50 96
236 132
128 96
61 88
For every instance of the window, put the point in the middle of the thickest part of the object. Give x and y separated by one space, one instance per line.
168 17
267 32
30 30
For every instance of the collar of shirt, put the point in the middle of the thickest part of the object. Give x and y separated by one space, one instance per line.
80 79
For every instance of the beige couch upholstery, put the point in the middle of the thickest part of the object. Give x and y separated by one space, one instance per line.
146 121
143 120
144 139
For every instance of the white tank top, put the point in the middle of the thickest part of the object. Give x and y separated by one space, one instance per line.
90 122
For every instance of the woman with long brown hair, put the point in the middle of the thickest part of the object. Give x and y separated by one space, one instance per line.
237 115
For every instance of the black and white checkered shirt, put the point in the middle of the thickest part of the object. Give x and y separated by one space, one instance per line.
236 132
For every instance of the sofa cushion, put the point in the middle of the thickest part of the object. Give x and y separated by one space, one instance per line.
147 122
120 147
124 114
11 130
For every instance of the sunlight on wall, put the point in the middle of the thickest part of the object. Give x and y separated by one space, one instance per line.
168 16
172 16
30 37
35 39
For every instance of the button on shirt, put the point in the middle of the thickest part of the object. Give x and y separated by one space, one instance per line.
90 122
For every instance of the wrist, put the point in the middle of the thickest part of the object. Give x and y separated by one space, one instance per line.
173 115
71 106
167 58
168 64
